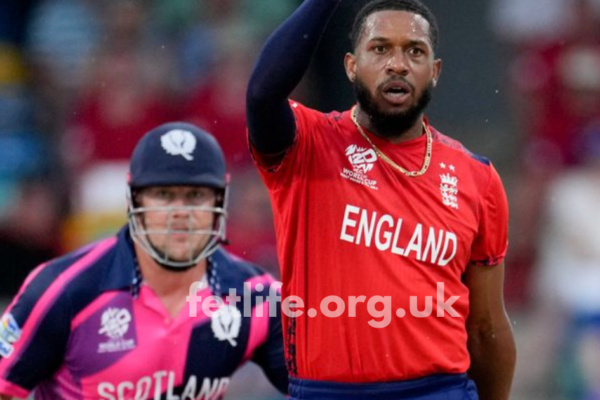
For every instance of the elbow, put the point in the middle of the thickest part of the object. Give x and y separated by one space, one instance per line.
486 330
492 338
253 92
256 98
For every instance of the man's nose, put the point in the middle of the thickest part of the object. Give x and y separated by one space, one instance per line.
397 63
180 203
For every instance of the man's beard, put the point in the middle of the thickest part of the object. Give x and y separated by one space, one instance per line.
391 124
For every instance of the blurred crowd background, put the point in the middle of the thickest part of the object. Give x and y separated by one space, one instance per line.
82 80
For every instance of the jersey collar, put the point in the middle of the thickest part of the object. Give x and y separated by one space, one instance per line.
121 271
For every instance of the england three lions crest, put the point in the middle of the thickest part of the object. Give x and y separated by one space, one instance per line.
449 190
449 186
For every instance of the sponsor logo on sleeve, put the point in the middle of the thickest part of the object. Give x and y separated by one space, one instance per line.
6 348
10 332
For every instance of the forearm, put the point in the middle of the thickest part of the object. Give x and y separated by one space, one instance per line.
493 358
280 67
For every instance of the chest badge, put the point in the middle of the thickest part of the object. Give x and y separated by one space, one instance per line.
449 186
226 323
362 161
114 324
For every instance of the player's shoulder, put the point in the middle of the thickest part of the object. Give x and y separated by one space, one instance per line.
62 285
460 149
473 170
311 114
65 270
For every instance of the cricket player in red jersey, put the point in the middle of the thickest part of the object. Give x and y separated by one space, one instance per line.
391 234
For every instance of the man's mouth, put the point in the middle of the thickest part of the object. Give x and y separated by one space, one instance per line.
396 92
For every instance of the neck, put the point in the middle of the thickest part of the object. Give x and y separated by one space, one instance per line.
167 283
412 132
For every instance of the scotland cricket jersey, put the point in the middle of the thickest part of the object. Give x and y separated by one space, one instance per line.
79 329
377 257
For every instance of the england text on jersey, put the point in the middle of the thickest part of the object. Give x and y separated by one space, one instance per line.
428 244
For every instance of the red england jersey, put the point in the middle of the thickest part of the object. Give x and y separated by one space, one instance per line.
350 225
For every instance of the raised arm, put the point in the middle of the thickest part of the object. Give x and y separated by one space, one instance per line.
280 66
491 343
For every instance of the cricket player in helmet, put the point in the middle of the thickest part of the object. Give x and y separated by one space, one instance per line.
177 195
82 325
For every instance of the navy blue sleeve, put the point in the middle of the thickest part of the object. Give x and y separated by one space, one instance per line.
280 66
30 356
270 355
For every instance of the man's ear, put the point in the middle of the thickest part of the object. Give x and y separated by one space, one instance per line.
437 71
350 66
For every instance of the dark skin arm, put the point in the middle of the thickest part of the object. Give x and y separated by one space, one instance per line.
491 343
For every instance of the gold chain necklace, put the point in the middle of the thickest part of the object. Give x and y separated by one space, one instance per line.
388 160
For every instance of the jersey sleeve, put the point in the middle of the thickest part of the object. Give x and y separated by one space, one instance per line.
270 355
293 162
491 242
34 331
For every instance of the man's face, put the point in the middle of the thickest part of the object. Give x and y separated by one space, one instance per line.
393 68
178 220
